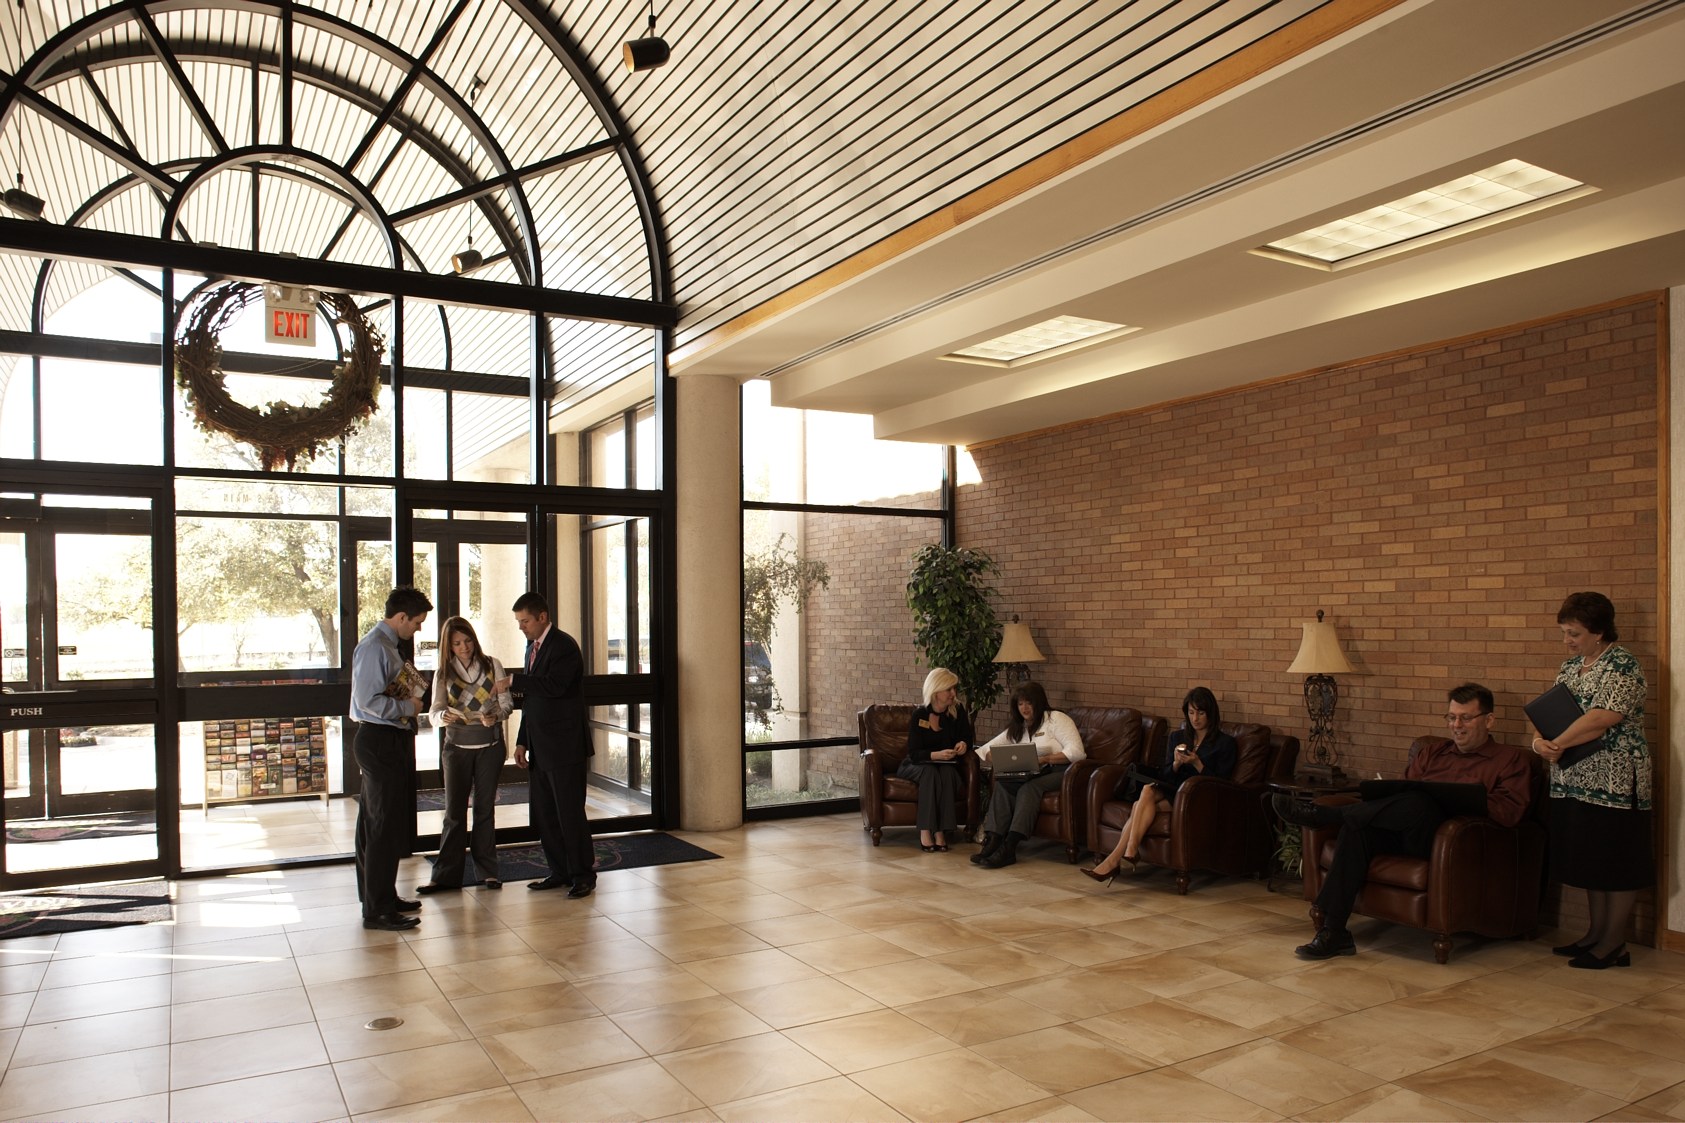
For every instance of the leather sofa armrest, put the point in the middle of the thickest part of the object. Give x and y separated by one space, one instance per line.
1104 785
871 771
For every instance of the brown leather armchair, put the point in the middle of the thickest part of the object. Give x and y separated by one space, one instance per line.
886 800
1111 736
1216 823
1481 877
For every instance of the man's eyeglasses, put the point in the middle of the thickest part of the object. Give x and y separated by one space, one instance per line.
1463 719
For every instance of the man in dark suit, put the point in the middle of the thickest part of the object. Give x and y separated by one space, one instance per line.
554 744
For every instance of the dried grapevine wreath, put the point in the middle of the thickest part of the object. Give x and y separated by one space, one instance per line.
281 433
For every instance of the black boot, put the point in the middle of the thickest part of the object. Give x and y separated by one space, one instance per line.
991 843
1006 854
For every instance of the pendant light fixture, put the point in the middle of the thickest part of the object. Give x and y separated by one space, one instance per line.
649 52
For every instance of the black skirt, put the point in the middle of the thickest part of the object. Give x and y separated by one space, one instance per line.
1600 848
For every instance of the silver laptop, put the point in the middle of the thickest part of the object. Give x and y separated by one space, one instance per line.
1014 762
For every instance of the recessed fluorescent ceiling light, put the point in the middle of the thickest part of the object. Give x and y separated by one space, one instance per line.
1057 336
1459 206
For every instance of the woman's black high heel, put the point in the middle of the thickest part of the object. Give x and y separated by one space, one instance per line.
1102 878
1573 949
1620 957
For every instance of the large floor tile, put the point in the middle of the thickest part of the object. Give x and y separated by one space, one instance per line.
688 1024
837 1100
629 1090
235 1056
526 1054
1278 1077
868 1040
307 1095
54 1090
417 1076
41 1042
1498 1089
744 1067
957 1084
1165 1094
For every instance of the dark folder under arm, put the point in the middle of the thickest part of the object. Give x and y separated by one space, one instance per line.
1552 713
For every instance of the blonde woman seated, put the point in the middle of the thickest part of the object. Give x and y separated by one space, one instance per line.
937 737
1199 748
1014 804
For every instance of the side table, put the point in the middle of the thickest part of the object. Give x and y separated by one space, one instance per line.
1301 789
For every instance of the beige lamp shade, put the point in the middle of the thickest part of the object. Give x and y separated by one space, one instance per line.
1016 646
1319 652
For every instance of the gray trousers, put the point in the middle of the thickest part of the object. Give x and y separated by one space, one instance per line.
1013 805
465 771
939 786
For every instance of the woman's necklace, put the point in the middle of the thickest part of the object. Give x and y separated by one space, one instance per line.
1585 664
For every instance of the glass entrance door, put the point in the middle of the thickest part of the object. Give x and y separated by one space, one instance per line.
78 655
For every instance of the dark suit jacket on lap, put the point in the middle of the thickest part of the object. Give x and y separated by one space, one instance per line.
552 702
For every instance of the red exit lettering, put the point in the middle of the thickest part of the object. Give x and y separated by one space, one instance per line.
291 325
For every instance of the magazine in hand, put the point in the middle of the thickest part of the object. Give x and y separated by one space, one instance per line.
407 683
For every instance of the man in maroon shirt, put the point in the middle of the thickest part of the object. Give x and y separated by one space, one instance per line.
1406 823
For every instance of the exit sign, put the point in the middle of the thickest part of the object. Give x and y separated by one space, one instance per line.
289 315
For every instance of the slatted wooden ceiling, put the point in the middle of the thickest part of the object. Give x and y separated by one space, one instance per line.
782 138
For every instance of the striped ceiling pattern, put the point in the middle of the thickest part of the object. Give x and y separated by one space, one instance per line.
781 139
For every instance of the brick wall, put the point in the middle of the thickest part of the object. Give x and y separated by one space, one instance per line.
859 646
1437 504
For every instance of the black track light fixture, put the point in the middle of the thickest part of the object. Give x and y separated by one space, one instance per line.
22 203
467 260
649 52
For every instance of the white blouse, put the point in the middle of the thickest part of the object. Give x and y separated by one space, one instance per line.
1058 734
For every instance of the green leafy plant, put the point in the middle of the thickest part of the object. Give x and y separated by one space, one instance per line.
954 620
1290 850
775 575
771 577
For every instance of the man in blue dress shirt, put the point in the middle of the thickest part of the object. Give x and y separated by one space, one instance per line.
384 707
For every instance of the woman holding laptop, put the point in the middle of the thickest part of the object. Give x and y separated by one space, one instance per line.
937 737
1014 801
1199 748
1600 803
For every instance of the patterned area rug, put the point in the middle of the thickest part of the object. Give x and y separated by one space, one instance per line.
81 826
620 852
433 799
73 909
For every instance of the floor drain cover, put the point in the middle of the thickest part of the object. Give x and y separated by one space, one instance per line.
385 1023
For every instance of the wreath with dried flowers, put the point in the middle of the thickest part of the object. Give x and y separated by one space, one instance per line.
280 432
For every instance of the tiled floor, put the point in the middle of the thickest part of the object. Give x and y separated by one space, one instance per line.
810 976
249 834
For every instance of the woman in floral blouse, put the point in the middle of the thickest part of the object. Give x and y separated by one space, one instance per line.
1600 804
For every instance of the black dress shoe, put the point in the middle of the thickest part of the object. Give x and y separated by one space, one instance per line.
1326 944
391 922
491 883
1620 957
548 883
408 906
581 889
424 890
1573 949
1290 810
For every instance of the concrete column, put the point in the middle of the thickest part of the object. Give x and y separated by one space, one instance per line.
710 610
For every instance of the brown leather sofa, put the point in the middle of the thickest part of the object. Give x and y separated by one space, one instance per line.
1112 736
1481 877
886 800
1216 823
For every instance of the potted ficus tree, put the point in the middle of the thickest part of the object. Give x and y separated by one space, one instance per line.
954 620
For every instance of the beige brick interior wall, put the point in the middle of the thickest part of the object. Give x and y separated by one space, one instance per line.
1437 504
